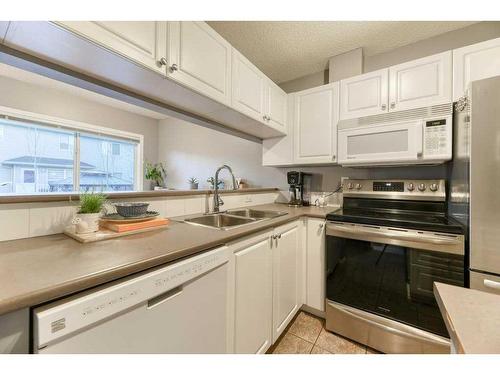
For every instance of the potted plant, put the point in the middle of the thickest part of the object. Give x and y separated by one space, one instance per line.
87 217
193 183
156 174
211 181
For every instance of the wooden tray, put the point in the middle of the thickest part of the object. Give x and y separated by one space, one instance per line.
106 234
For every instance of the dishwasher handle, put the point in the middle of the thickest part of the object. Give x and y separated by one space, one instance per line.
164 297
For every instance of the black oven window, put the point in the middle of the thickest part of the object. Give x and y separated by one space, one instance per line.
391 281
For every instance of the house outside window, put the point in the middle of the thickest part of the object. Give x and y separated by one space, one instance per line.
37 157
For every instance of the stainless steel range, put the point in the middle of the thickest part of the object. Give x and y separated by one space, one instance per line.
385 248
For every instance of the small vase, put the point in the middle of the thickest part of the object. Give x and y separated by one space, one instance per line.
194 186
86 223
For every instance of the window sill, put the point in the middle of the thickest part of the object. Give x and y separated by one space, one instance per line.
124 195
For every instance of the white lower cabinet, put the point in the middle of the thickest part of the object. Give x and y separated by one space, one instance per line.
286 276
250 298
265 287
315 269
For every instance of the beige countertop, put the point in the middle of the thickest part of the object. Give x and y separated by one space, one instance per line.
472 318
39 269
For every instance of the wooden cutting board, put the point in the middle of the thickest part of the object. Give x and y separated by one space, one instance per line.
107 234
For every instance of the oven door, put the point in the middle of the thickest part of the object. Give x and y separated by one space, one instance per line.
394 143
390 272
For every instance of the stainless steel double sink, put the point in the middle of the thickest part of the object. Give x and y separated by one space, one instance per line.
233 218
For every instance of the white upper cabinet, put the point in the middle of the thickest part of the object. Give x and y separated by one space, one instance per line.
257 96
278 151
471 63
315 124
249 88
421 83
200 59
276 106
364 95
144 42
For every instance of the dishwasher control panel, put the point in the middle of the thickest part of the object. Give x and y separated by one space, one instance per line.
61 318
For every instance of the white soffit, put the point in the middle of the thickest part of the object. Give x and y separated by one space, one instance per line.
286 50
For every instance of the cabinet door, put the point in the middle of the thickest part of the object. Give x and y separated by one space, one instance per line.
144 42
279 151
200 59
471 63
315 285
249 88
364 95
276 106
315 122
421 83
253 295
286 276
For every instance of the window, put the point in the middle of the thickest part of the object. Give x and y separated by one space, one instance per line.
100 170
39 158
116 149
29 176
64 143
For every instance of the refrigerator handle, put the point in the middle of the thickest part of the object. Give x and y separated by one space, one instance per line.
491 284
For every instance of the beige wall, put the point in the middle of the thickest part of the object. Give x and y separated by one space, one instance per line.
190 150
454 39
51 102
305 82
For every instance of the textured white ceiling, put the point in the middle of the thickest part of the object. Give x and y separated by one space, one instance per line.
287 50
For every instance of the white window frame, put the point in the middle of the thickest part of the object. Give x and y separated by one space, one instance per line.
78 126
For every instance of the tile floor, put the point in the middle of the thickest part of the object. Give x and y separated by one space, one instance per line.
307 335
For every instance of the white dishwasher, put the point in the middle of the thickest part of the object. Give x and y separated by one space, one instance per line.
179 308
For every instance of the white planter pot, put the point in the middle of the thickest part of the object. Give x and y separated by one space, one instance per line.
86 223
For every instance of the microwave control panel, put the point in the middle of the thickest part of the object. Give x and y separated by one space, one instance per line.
437 137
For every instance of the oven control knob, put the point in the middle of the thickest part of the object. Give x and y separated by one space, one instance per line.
350 185
411 186
422 187
433 187
358 186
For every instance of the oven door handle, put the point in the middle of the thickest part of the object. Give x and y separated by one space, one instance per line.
331 230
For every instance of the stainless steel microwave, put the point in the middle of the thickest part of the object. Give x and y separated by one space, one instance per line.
421 136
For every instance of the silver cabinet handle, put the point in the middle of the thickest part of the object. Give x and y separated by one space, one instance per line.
162 61
174 67
321 226
393 105
334 157
271 238
384 107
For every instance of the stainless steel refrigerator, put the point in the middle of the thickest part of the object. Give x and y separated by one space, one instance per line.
475 179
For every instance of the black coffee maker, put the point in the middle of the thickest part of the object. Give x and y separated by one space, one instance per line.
300 188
